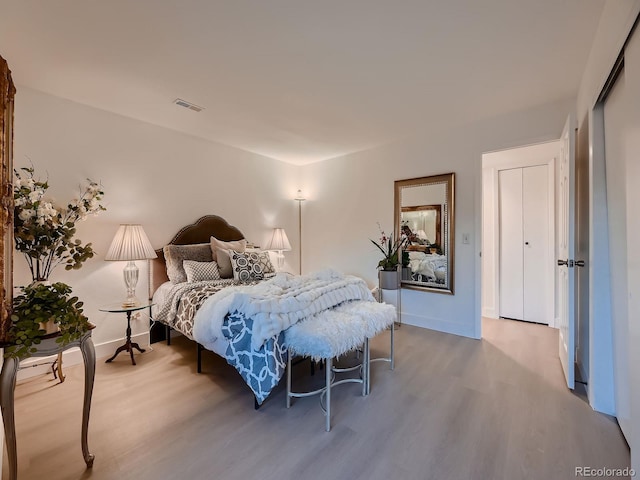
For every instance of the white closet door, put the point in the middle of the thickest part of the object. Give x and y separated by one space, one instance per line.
615 122
535 214
511 241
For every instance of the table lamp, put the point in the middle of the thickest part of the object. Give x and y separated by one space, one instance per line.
130 244
279 243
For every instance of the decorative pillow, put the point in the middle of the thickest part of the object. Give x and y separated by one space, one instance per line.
265 262
246 266
175 255
220 251
201 271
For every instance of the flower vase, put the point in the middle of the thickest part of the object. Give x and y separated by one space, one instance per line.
388 279
49 326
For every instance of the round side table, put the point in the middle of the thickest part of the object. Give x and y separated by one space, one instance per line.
128 345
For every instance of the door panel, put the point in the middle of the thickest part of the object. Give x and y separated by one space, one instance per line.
632 75
615 121
535 213
565 212
511 240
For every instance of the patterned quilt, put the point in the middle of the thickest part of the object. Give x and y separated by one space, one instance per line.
183 301
261 369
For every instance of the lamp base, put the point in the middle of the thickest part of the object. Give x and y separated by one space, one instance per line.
280 258
131 280
131 302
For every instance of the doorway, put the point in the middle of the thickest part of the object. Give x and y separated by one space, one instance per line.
518 275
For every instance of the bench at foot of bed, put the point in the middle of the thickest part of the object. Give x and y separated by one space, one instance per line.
331 335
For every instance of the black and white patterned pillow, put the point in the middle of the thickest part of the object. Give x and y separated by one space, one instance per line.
265 262
246 266
200 271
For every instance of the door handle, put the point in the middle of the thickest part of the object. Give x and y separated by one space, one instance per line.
563 262
579 263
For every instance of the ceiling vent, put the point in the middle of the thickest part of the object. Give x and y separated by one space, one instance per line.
190 106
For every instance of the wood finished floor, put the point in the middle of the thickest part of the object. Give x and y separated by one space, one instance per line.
454 408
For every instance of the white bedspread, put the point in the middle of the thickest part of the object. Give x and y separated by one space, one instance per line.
276 304
426 264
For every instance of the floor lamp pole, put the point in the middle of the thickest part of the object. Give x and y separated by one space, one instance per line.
300 198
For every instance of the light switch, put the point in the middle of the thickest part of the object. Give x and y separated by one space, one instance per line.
465 238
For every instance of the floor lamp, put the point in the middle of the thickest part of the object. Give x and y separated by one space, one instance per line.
300 198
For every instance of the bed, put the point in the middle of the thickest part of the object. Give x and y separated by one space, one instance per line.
244 318
427 267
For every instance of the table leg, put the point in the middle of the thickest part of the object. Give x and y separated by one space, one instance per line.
7 387
89 356
60 374
128 345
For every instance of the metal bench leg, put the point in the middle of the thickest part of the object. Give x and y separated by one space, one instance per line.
365 367
393 329
368 366
328 393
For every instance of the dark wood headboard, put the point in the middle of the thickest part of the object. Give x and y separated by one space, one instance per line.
200 231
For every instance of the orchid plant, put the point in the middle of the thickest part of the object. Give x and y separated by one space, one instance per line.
43 232
389 248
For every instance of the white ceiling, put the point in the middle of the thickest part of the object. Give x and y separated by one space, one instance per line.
301 80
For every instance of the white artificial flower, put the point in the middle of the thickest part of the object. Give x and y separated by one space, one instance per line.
51 210
26 182
20 201
46 212
26 214
36 195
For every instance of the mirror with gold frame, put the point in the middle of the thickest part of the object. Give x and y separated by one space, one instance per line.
425 217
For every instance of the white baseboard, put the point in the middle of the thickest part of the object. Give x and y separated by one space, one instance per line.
489 313
465 330
37 366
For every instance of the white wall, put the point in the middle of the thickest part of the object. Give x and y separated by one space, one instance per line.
492 163
154 176
348 195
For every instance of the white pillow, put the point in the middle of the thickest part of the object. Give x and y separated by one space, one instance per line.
201 271
220 251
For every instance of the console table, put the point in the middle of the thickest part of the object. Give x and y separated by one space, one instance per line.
46 348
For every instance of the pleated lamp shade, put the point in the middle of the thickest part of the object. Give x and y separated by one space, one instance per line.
130 243
279 241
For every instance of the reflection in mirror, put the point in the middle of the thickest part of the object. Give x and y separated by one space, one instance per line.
424 215
423 222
